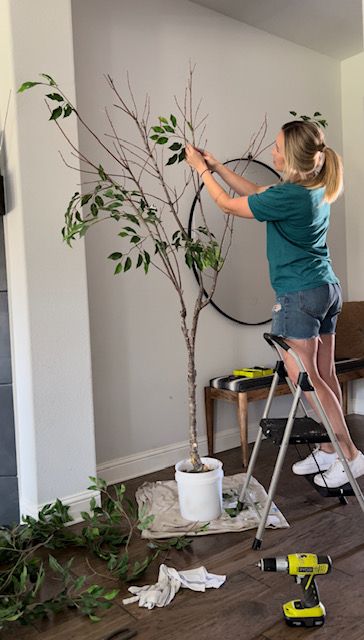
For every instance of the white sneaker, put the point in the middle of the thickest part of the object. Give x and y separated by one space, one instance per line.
317 460
336 475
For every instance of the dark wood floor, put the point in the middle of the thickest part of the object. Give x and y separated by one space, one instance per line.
248 606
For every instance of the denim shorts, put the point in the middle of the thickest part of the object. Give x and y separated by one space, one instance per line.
308 313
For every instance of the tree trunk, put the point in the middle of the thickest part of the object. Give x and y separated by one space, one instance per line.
191 378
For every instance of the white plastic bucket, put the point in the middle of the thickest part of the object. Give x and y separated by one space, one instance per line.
200 494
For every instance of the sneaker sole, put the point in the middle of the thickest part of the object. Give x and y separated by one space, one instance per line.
328 486
310 471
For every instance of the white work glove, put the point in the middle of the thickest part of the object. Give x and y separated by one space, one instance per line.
200 580
159 594
169 583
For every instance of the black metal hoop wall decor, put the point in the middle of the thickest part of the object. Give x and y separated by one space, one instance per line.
243 293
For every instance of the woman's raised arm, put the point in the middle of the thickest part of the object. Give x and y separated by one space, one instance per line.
239 184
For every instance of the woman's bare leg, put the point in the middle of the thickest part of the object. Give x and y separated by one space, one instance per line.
327 371
308 350
326 363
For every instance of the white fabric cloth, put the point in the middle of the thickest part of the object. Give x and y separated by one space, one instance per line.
169 582
160 499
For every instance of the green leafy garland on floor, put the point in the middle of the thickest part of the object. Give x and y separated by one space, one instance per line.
107 532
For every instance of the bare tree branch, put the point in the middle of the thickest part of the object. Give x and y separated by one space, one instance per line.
152 220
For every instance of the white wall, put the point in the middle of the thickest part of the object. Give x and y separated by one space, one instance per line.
139 360
47 282
353 143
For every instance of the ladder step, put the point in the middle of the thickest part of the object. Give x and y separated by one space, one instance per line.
331 492
304 430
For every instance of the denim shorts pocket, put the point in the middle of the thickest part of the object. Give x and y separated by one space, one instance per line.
313 301
337 300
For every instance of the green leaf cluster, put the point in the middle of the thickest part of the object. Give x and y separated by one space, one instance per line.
200 252
63 109
106 532
177 543
110 201
168 126
23 572
317 118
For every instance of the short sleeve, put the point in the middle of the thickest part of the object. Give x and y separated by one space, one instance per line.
276 203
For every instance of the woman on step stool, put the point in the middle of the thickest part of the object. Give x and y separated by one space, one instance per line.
308 293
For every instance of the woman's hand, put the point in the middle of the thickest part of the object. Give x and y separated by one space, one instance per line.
210 160
195 159
195 155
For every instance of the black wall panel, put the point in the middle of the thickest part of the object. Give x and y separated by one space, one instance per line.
9 502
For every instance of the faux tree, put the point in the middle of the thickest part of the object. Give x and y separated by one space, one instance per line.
150 221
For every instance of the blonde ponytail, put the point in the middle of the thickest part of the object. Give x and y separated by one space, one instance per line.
331 175
308 161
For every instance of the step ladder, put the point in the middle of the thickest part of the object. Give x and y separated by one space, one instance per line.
292 430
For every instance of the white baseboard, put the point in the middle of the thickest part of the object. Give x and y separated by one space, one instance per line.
357 406
356 397
77 502
139 464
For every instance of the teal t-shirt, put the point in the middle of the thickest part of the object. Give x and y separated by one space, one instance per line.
297 222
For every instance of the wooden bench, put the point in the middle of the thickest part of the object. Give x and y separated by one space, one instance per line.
249 391
349 366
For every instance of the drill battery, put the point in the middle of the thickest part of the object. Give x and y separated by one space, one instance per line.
297 615
253 372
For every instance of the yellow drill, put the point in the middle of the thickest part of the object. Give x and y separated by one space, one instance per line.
309 612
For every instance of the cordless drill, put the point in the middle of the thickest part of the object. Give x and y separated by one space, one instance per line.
309 612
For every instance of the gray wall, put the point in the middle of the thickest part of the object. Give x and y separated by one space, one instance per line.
47 288
139 357
9 505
